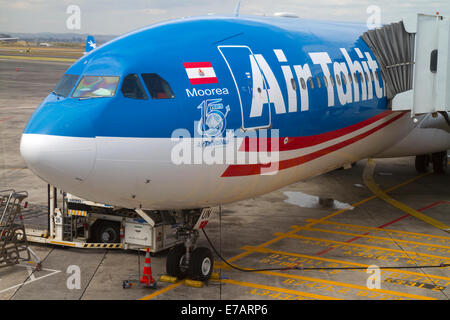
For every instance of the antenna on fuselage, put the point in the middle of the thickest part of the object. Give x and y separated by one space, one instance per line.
238 7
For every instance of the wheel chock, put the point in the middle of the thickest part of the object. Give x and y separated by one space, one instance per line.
215 276
194 283
166 278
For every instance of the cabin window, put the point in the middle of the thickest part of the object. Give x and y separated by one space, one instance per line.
311 82
294 84
331 81
132 87
338 80
319 83
96 87
350 79
157 86
371 76
356 77
65 85
344 80
303 83
325 81
434 61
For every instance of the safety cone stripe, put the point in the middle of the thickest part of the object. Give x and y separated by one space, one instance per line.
147 277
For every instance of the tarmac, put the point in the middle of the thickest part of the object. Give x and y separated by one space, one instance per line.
333 223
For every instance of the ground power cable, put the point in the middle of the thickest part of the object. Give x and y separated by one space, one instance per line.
296 267
93 274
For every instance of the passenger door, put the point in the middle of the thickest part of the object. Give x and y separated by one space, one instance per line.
250 85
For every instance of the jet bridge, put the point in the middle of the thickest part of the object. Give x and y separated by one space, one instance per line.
414 58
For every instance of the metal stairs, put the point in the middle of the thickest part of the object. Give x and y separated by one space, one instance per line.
13 240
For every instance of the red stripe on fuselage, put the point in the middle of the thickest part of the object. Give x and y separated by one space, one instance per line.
253 169
188 65
203 80
250 144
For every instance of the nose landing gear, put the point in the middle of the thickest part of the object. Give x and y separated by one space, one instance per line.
201 264
187 260
438 160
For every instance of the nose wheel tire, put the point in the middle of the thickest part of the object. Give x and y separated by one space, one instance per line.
175 261
439 160
201 265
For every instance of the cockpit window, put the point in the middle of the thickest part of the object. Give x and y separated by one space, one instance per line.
65 85
132 87
157 86
96 86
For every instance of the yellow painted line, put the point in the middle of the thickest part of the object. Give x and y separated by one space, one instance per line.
349 285
370 198
341 262
354 226
38 58
297 228
277 289
346 285
296 236
370 183
376 237
157 293
63 243
245 284
243 254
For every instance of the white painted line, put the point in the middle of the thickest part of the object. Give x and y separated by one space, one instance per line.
32 277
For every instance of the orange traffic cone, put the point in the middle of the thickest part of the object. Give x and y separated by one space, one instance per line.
147 277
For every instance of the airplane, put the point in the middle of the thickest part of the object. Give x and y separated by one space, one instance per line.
90 44
203 111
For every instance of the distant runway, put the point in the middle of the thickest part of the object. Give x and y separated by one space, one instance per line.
37 58
51 54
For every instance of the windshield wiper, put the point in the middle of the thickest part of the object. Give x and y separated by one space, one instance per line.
58 94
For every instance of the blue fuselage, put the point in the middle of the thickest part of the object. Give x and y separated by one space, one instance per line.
226 43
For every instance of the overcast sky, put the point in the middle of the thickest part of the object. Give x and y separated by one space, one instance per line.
120 16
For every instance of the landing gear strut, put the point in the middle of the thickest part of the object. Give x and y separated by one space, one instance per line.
422 163
186 260
438 159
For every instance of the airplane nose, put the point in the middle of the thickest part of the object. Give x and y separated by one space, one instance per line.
58 160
